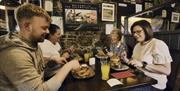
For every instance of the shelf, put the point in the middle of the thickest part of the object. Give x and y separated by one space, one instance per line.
168 32
2 7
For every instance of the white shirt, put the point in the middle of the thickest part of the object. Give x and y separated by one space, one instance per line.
49 49
154 52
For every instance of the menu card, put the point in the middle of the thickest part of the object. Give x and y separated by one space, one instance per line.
123 74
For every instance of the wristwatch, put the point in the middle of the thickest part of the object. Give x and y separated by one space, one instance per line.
144 64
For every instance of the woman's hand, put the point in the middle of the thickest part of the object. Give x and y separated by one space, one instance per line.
123 57
110 54
135 63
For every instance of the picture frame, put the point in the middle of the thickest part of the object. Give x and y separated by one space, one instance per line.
48 5
108 28
108 12
57 7
175 17
131 20
80 16
3 19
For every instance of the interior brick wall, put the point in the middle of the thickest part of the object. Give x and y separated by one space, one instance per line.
82 38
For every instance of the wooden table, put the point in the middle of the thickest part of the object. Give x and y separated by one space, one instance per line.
96 84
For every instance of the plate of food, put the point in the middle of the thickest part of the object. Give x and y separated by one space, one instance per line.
120 67
117 65
101 57
83 73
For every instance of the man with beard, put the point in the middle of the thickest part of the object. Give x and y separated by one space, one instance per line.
22 63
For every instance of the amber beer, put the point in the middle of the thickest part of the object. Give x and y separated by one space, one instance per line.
87 56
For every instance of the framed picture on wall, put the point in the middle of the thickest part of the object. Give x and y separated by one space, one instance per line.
131 20
108 12
109 28
80 16
3 21
175 17
57 7
48 5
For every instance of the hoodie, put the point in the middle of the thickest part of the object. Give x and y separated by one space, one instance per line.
21 65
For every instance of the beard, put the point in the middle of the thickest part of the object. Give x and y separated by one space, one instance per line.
41 38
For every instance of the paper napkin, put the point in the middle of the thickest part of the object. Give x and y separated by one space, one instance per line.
113 82
92 61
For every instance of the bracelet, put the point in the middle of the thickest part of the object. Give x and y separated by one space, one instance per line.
144 64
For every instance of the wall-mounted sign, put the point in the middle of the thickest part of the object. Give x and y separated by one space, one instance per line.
175 17
108 12
109 28
48 6
3 22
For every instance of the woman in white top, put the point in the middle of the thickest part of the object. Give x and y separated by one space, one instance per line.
150 55
51 47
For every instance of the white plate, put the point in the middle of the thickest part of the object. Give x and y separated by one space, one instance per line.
121 68
92 74
105 56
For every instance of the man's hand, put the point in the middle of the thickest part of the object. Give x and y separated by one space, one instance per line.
74 64
100 53
58 59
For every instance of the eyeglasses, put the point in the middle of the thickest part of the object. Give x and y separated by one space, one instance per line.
137 32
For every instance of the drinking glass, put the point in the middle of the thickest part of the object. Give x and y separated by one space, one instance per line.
86 57
105 68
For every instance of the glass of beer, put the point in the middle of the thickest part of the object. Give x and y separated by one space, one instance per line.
86 57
